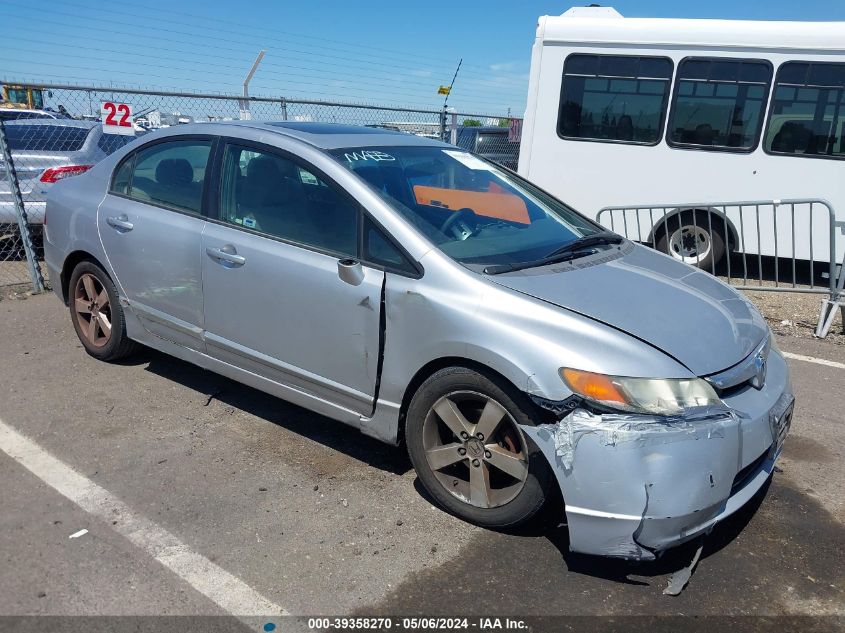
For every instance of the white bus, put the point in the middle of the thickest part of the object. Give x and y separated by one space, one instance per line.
624 112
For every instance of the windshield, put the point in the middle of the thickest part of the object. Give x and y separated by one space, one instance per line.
475 212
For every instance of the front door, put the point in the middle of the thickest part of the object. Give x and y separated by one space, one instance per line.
285 297
151 229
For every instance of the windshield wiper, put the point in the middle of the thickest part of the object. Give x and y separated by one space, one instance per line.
571 250
594 239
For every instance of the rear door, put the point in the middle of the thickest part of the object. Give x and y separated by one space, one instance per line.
151 228
278 299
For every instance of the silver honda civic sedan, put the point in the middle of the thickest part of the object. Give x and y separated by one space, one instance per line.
428 297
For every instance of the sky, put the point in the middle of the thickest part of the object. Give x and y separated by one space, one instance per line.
374 51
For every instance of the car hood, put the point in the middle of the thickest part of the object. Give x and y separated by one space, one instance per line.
686 313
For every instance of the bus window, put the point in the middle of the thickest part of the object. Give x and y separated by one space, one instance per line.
614 98
807 116
719 103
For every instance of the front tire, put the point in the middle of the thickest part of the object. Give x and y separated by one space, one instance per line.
463 438
96 313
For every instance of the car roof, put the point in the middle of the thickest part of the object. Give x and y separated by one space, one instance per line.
60 122
28 110
323 135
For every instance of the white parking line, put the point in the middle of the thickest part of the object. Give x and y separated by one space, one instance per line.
813 359
227 591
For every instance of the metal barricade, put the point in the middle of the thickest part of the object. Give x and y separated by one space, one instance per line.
763 245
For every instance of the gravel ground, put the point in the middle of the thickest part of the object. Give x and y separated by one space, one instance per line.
795 315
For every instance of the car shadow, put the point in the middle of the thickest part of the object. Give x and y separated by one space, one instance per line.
548 524
620 570
331 433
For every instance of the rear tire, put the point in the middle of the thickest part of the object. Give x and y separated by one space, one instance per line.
96 313
453 469
693 237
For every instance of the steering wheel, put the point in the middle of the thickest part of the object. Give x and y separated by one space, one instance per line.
462 223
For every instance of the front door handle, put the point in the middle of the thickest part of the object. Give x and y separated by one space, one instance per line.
121 223
226 255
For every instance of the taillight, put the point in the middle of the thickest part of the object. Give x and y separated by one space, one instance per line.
55 174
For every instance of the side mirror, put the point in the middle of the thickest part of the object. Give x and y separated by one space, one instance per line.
350 271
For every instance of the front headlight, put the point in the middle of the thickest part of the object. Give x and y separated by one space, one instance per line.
641 395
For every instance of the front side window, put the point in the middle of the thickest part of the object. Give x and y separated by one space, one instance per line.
614 98
269 193
719 103
171 173
807 116
475 212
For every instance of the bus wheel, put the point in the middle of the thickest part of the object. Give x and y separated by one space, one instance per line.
693 238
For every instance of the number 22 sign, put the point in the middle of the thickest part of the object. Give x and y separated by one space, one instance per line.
117 118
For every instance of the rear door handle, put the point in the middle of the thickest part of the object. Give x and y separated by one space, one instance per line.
121 223
227 254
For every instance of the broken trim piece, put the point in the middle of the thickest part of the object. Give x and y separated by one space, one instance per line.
382 338
680 578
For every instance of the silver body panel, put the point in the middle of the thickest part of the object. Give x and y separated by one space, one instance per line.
285 322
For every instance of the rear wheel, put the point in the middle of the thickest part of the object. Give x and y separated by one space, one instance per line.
465 443
693 237
96 313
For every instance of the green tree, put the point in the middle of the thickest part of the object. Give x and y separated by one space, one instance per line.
472 123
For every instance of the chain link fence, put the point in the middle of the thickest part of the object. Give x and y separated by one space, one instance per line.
66 138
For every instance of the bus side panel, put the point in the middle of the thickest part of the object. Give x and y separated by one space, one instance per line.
591 175
531 104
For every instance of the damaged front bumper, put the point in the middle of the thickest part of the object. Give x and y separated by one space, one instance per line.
636 485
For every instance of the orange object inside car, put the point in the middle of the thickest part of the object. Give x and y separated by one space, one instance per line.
491 204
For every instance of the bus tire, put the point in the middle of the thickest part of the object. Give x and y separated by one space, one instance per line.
692 237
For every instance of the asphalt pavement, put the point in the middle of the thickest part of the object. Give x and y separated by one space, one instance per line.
273 501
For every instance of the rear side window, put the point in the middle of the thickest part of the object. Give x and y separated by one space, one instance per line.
719 103
46 138
171 173
614 98
807 116
113 142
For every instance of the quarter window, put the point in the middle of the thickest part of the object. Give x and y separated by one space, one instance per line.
122 176
719 103
378 249
169 173
269 193
614 98
807 116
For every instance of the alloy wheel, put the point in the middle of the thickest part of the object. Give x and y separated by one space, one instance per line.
93 310
475 449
